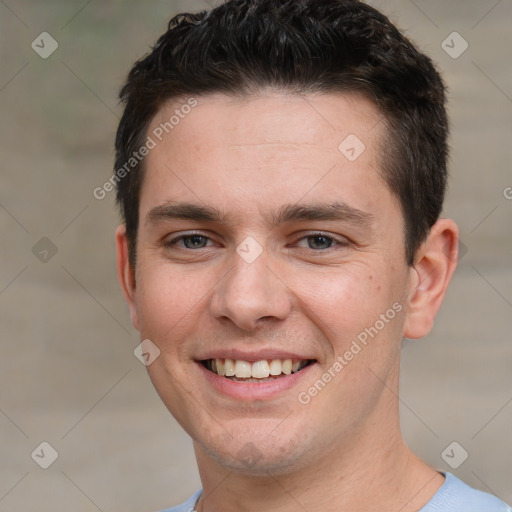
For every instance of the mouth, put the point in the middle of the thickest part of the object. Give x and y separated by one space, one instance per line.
258 371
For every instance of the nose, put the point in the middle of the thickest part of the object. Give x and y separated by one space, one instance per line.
251 294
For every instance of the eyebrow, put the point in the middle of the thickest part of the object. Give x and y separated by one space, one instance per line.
336 211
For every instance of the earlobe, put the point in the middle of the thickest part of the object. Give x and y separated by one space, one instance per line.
436 261
126 274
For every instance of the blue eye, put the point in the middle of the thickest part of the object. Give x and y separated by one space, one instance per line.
193 241
319 241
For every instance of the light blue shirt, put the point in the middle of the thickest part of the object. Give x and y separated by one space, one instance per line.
453 496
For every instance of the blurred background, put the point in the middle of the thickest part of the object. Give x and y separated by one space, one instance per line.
68 375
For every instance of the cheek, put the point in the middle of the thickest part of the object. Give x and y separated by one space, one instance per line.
360 314
345 300
166 301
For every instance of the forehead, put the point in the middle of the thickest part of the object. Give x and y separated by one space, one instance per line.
273 148
259 119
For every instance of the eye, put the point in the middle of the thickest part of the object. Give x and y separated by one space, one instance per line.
320 241
191 241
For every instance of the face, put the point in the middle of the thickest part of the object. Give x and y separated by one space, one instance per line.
267 236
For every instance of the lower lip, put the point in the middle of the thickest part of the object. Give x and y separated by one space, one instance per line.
248 391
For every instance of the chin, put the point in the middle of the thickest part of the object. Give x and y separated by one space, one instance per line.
259 452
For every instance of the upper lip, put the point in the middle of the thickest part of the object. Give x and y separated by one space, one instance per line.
251 356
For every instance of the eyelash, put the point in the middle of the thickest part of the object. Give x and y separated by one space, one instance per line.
335 242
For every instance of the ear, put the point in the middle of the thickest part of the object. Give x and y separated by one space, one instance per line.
126 274
435 263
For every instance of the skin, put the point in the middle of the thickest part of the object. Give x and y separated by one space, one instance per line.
248 157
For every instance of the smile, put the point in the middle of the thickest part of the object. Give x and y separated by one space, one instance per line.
258 371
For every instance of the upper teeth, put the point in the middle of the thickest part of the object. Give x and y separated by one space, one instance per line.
257 370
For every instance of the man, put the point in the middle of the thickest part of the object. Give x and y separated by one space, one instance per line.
281 169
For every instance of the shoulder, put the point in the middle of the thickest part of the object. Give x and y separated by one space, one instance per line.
455 496
188 506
